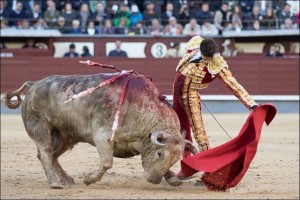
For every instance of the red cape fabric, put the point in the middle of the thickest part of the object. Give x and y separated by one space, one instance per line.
225 165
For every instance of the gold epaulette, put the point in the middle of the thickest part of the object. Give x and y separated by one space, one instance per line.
216 64
191 48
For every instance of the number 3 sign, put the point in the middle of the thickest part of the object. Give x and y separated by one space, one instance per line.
158 50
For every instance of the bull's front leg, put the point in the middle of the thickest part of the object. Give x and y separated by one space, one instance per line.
105 150
172 179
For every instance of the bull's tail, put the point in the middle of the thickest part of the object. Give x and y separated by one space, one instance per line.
6 97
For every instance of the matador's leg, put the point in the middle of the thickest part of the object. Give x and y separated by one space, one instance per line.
193 109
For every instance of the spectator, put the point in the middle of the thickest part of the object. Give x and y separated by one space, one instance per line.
84 15
4 10
297 19
29 44
230 49
86 52
150 13
208 29
157 5
76 4
36 13
122 27
26 24
107 28
184 15
173 28
93 4
269 20
274 51
91 30
40 24
288 24
263 5
286 13
156 29
17 16
100 15
118 52
135 15
246 6
192 28
222 19
294 6
75 29
4 23
173 52
69 14
167 14
72 53
255 25
254 16
112 12
193 6
62 26
237 18
139 29
122 14
51 15
204 14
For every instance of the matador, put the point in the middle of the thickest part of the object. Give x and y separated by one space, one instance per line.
200 65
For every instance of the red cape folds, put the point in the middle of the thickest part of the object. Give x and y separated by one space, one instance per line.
225 165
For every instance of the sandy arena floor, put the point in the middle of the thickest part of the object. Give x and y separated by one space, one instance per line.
273 174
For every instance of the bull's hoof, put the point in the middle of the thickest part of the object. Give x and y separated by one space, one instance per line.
68 181
56 186
174 181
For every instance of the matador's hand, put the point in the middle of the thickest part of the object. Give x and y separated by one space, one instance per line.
253 107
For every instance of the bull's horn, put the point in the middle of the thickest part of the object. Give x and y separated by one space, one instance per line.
155 136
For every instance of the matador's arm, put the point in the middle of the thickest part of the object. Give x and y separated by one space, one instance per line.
219 67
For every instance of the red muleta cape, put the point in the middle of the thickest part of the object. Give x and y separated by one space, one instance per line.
225 165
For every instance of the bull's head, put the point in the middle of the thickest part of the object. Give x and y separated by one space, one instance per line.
160 152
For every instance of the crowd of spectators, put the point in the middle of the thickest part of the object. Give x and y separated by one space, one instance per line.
144 17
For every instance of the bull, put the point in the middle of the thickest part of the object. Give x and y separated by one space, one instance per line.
148 124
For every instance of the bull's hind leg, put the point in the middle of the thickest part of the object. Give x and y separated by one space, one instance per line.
59 146
105 150
40 132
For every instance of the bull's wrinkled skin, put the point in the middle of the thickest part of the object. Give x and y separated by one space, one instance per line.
56 126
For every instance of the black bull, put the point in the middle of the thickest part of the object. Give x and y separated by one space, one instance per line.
148 125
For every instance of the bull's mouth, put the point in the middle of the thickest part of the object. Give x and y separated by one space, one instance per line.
153 181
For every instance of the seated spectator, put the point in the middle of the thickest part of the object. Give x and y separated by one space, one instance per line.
288 24
135 15
192 28
4 10
222 19
69 14
209 29
237 18
86 52
167 14
112 11
255 25
173 52
118 52
29 44
230 49
62 26
286 13
84 15
36 13
4 23
26 24
246 6
155 29
40 24
269 20
274 51
150 13
184 15
173 28
204 14
100 15
76 4
254 15
107 28
71 53
51 15
91 30
122 27
75 29
123 14
139 29
17 16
